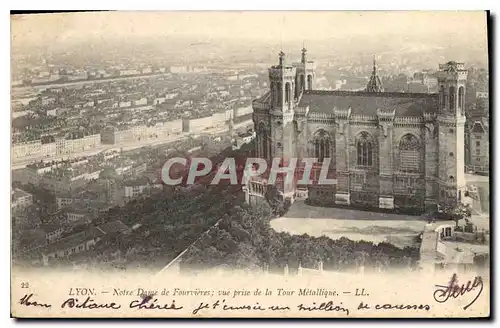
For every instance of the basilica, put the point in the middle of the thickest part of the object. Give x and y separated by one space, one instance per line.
385 149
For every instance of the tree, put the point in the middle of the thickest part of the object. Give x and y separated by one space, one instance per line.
360 259
481 260
278 205
108 173
456 212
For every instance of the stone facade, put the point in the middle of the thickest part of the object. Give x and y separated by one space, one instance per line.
477 145
386 150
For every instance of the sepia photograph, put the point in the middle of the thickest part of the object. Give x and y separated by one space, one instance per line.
250 164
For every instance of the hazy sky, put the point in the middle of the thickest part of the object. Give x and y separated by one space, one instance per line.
284 26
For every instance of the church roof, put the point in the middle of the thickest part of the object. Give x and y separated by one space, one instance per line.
265 98
367 103
479 127
375 84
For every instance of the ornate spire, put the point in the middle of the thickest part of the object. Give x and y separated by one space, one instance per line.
282 58
304 51
375 84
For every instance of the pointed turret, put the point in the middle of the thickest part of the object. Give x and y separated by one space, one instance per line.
281 58
304 51
375 84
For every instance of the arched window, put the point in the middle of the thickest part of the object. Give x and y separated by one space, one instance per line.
302 82
279 90
297 91
442 97
287 93
321 145
274 94
461 97
262 144
309 82
364 147
409 151
452 98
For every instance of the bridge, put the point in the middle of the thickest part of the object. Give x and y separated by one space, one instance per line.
64 84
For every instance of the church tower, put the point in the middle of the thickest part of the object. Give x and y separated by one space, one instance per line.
452 79
282 82
281 114
305 74
374 84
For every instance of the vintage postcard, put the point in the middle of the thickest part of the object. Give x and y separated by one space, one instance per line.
252 164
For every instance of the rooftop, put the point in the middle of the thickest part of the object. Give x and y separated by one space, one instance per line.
81 237
266 97
245 134
78 208
140 181
71 241
113 226
51 227
479 127
79 194
17 193
367 103
59 163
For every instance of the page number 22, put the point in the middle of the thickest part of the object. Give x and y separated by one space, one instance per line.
25 285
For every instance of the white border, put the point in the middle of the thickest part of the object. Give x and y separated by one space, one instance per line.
256 5
189 5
